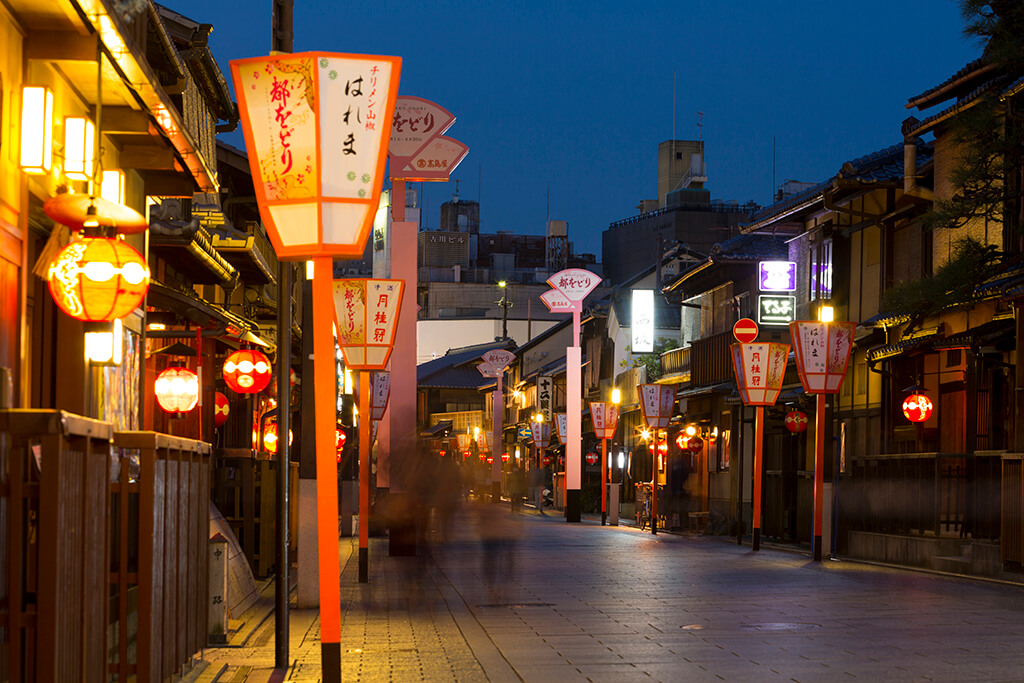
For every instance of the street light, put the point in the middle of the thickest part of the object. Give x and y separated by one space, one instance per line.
504 309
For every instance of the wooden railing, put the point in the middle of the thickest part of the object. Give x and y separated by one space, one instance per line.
710 360
103 559
160 493
928 494
676 362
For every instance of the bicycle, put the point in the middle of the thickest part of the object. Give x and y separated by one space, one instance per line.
643 505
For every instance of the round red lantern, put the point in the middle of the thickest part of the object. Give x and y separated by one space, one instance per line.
796 421
917 407
270 437
247 371
98 279
490 459
221 409
546 460
592 458
177 390
504 456
695 444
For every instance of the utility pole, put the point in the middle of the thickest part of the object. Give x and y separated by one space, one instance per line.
281 41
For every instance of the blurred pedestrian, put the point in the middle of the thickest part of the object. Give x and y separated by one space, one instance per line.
536 485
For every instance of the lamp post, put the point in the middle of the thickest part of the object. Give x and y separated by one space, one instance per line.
822 353
656 403
605 417
504 308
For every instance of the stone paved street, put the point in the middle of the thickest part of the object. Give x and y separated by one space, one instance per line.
549 601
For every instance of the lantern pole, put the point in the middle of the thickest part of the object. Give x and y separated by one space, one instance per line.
758 460
604 480
497 427
364 476
326 381
654 485
819 467
284 425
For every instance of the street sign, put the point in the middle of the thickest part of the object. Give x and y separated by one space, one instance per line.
557 303
776 309
574 283
417 150
488 370
745 330
499 358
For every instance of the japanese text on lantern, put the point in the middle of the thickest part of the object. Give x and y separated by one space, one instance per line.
351 311
279 94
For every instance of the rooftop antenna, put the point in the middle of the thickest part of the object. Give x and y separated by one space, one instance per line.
700 126
773 167
673 115
455 195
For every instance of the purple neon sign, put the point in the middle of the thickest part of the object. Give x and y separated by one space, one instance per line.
777 276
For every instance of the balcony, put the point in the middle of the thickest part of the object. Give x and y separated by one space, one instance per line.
675 366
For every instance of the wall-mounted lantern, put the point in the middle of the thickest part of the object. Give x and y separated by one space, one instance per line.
36 129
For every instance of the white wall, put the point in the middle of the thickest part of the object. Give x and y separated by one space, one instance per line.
435 337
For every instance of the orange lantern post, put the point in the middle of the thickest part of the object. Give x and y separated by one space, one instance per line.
316 128
367 313
760 369
605 417
822 353
656 404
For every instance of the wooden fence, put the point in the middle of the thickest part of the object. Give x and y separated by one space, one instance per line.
103 560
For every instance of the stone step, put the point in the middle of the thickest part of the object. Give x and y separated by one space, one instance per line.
957 564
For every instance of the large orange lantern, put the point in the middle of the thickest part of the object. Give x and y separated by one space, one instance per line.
247 371
177 390
98 279
917 407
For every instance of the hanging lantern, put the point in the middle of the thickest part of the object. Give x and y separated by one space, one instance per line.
592 458
695 444
98 279
662 447
221 409
270 437
247 371
504 456
490 460
339 441
177 390
796 421
917 407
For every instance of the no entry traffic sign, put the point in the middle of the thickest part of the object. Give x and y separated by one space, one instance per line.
745 330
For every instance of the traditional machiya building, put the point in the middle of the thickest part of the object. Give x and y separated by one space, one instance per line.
110 112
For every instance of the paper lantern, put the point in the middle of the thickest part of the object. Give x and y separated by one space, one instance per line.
796 421
504 457
917 407
98 279
760 369
592 458
270 437
221 409
247 371
695 444
822 353
177 390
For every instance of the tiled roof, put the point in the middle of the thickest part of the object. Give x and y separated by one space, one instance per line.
784 205
884 165
750 247
961 103
457 368
965 71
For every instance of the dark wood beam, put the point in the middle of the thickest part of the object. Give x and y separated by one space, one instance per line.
125 121
149 157
165 184
55 46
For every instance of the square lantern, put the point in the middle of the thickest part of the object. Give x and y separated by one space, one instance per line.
367 319
605 417
540 433
822 353
657 402
112 185
317 126
36 129
562 427
379 394
760 369
78 148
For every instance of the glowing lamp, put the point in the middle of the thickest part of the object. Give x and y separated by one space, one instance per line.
103 343
339 441
78 148
98 279
504 457
247 371
796 421
917 407
221 409
177 390
490 460
662 447
36 129
270 437
112 185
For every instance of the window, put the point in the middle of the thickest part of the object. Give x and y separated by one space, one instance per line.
821 271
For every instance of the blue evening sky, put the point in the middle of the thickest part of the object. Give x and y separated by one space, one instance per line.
572 98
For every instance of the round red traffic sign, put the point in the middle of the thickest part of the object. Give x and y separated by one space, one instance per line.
745 330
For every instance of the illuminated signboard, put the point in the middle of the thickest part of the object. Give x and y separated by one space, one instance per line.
777 276
643 321
775 309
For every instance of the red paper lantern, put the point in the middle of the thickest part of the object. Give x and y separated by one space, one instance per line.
504 457
917 407
177 390
591 458
247 371
662 447
221 409
98 279
490 460
695 444
546 460
339 441
796 421
270 437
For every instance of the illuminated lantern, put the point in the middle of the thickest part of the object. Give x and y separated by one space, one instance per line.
504 457
662 447
247 371
98 279
270 437
592 458
444 453
339 441
917 407
221 409
177 390
796 421
465 454
490 460
547 460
